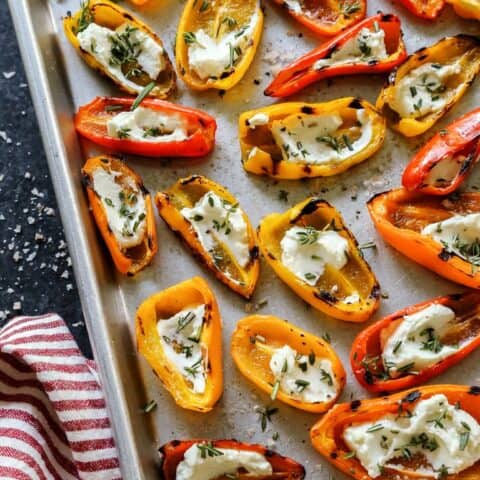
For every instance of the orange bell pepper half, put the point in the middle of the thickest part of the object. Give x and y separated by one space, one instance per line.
302 72
446 160
160 307
400 216
283 468
128 256
367 348
328 18
254 342
429 9
198 127
327 434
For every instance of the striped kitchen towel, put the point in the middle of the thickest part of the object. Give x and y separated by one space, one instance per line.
53 421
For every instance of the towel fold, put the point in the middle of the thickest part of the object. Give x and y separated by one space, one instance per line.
53 418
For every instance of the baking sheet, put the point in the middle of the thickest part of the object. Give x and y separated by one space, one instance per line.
60 82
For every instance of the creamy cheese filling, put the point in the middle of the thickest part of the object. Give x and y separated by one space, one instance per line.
124 205
459 234
258 119
307 251
317 140
117 50
205 462
217 221
294 6
447 436
147 125
424 89
211 57
416 343
303 377
368 45
445 171
180 339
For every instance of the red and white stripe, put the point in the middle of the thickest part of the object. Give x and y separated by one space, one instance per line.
53 418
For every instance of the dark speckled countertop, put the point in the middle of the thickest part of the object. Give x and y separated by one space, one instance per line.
35 272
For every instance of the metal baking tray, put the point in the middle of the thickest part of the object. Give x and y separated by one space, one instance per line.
60 82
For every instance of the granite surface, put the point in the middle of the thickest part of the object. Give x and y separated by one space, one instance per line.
35 271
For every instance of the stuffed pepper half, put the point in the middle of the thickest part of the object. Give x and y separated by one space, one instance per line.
300 140
121 47
312 251
123 211
179 332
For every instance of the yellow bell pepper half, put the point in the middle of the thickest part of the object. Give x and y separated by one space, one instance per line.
338 283
429 83
301 140
163 306
123 66
216 42
218 256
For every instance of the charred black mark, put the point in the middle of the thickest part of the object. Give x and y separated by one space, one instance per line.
331 51
307 109
310 207
226 74
467 164
445 255
269 453
412 397
356 103
456 296
86 182
254 253
474 390
191 179
368 376
271 255
423 57
307 169
326 296
375 293
388 17
128 17
372 63
334 455
355 405
143 189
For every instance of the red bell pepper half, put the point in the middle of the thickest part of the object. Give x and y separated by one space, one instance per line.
91 122
446 160
302 73
428 9
283 468
365 355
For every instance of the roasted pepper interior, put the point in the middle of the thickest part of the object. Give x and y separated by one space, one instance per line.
121 46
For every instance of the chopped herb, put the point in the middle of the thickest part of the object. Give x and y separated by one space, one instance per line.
108 201
124 132
197 218
348 143
142 95
208 449
326 336
275 389
413 91
397 346
266 416
85 18
364 47
301 384
113 108
204 6
283 195
348 9
433 342
310 276
326 377
366 245
375 428
193 370
275 436
308 236
151 405
184 321
152 132
190 38
349 455
311 358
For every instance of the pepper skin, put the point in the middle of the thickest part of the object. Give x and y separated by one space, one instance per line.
454 150
110 15
185 193
128 261
327 434
466 8
301 73
368 346
217 20
428 9
252 356
91 122
462 48
165 304
334 286
399 216
284 468
263 156
326 19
